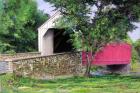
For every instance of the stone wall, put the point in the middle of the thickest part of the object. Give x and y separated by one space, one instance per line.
4 57
46 67
52 66
4 67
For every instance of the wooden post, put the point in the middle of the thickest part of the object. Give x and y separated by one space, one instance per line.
10 67
0 86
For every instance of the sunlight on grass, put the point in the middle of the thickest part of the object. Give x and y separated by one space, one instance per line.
105 84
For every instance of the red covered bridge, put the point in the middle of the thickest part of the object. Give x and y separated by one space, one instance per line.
111 54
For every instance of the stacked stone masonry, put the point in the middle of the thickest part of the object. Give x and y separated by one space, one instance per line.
4 57
4 65
46 67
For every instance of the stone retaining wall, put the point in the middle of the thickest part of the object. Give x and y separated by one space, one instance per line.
3 57
4 67
46 67
50 67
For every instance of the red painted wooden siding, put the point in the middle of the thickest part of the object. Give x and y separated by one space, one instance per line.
114 53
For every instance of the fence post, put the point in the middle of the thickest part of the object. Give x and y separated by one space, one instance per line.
0 86
10 67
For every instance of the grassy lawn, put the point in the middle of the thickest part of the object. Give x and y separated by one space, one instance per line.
104 84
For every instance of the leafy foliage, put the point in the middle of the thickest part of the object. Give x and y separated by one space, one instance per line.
137 46
136 55
19 20
111 21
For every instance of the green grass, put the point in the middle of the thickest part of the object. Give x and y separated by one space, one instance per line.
104 84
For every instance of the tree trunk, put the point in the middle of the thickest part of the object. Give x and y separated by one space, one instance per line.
88 66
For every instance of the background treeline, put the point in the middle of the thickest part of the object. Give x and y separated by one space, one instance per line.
19 20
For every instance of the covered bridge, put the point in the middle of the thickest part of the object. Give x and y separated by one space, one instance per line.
52 40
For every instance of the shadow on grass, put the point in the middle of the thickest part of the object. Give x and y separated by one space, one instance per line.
92 79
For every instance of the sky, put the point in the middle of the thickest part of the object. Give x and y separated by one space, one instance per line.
47 8
135 35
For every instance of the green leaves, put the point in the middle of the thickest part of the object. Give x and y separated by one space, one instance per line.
112 20
137 47
19 21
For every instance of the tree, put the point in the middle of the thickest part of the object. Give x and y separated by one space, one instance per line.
111 22
19 20
137 47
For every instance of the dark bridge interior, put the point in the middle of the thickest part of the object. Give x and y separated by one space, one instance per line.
61 41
